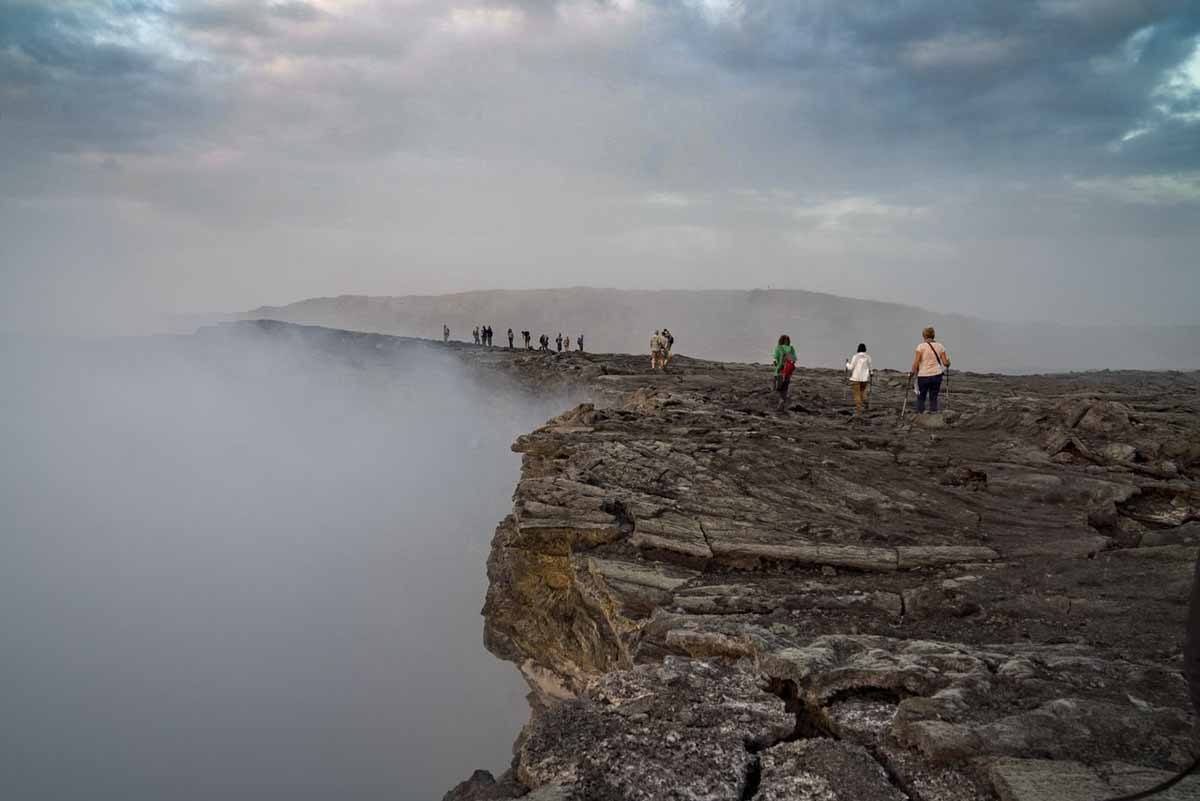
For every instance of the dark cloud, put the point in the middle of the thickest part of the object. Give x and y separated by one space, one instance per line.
664 137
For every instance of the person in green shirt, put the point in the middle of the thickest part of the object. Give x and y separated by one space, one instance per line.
784 352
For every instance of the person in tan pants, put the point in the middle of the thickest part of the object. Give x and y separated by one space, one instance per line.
859 368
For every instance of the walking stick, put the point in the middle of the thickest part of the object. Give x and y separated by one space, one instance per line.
904 405
947 403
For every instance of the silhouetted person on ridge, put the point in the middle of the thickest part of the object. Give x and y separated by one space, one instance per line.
510 339
579 342
525 334
445 333
558 342
475 333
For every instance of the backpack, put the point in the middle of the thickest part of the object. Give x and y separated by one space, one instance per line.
789 366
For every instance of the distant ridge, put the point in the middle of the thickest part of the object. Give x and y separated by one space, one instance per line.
740 325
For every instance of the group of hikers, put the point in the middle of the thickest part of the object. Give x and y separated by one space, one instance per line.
930 365
483 335
661 343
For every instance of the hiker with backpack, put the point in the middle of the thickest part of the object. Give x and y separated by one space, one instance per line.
858 367
579 342
784 359
930 363
669 338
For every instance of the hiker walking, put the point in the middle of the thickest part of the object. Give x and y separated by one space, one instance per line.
579 342
658 347
669 340
445 333
858 367
930 363
784 359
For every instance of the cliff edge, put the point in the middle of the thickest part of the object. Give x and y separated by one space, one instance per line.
710 600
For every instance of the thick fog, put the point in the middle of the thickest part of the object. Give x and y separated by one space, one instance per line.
249 568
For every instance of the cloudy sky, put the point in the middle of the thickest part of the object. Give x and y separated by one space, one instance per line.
1016 160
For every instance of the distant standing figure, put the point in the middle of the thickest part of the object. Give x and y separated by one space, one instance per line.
859 368
784 359
558 342
490 335
658 351
510 339
475 334
445 333
579 342
670 340
930 362
525 334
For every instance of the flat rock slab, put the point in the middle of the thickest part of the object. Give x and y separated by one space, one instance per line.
1129 779
1047 780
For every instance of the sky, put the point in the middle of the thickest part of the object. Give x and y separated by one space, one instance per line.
1025 160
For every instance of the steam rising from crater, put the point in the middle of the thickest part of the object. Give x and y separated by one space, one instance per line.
246 567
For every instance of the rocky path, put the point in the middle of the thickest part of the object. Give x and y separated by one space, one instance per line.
710 600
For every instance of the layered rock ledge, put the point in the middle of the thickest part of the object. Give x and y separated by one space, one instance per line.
710 600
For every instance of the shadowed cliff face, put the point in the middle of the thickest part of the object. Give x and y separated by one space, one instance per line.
249 565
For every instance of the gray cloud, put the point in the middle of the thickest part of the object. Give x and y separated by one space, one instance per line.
444 146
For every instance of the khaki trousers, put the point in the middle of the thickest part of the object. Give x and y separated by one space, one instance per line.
860 394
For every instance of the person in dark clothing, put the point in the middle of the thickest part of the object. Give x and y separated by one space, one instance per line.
558 342
510 339
579 342
490 334
526 335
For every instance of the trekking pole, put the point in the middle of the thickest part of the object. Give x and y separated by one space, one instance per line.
947 404
904 405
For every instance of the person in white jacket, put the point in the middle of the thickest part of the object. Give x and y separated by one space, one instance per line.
859 369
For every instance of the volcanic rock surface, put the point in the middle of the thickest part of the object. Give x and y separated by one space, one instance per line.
712 600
